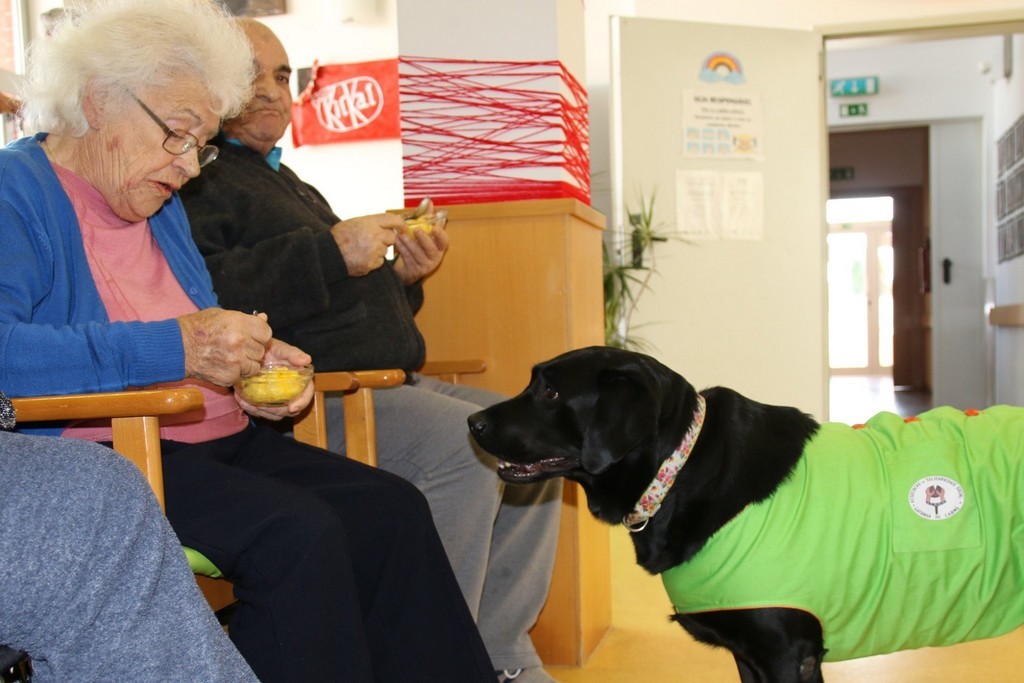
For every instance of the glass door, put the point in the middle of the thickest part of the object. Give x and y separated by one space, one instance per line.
860 267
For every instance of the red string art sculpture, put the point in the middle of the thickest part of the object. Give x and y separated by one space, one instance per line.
475 131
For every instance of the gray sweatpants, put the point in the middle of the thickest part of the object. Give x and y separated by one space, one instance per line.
93 582
500 540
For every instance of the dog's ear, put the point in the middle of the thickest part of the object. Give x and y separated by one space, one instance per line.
626 413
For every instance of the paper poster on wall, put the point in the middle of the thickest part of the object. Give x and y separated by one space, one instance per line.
722 125
713 205
743 206
697 195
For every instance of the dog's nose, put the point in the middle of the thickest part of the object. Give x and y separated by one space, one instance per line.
477 423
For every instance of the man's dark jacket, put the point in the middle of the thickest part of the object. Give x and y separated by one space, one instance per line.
266 239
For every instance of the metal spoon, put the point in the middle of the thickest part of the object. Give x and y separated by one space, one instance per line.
425 207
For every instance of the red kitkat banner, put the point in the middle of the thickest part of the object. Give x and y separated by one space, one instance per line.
348 102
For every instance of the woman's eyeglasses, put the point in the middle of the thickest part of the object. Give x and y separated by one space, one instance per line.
179 142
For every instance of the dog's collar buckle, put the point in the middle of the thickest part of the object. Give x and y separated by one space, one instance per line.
637 527
650 502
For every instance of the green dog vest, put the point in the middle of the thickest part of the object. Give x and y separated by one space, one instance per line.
896 535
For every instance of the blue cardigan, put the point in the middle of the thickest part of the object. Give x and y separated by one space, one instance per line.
55 336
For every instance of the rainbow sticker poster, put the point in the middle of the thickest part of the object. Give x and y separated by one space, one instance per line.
722 66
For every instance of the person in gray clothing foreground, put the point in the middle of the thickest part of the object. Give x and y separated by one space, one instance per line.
93 583
272 244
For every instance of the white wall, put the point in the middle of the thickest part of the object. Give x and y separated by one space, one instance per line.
920 81
800 14
360 177
525 30
1009 286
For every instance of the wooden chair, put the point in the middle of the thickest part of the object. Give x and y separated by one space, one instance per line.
134 420
310 427
136 435
135 423
360 423
453 370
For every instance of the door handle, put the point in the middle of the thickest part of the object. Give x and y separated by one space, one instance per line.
947 270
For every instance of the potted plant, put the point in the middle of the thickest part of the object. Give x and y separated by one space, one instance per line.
628 269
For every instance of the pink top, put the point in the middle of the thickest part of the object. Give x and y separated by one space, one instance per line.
135 283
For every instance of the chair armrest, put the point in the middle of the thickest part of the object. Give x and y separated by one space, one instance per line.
108 404
451 370
334 381
134 420
379 379
360 425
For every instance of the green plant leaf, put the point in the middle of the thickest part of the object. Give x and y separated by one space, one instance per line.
626 279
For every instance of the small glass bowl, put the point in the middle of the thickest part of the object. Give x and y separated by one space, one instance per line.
427 222
277 384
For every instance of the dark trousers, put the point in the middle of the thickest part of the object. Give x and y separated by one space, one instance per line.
337 566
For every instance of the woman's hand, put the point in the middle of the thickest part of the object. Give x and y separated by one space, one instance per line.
222 346
278 412
278 350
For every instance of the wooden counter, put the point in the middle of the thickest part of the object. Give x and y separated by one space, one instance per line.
521 283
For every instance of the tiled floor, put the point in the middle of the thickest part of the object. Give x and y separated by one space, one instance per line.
644 646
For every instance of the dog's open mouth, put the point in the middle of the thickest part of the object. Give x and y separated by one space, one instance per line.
542 469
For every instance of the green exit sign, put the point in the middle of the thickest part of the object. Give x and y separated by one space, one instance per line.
860 109
853 87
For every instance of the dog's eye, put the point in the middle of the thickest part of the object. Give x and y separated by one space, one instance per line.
550 393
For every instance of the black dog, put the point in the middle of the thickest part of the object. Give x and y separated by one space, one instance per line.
611 419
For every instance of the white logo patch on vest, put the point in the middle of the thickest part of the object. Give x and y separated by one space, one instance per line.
936 497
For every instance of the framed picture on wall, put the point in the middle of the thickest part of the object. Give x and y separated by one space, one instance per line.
254 8
1015 188
1018 138
1004 150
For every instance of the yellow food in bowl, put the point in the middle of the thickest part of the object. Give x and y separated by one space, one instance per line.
424 223
275 386
427 222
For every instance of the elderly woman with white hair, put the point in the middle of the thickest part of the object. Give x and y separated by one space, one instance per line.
338 569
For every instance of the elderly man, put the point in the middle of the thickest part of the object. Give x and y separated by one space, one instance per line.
273 244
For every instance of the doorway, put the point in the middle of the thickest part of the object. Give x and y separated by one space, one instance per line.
879 328
956 181
860 319
879 292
